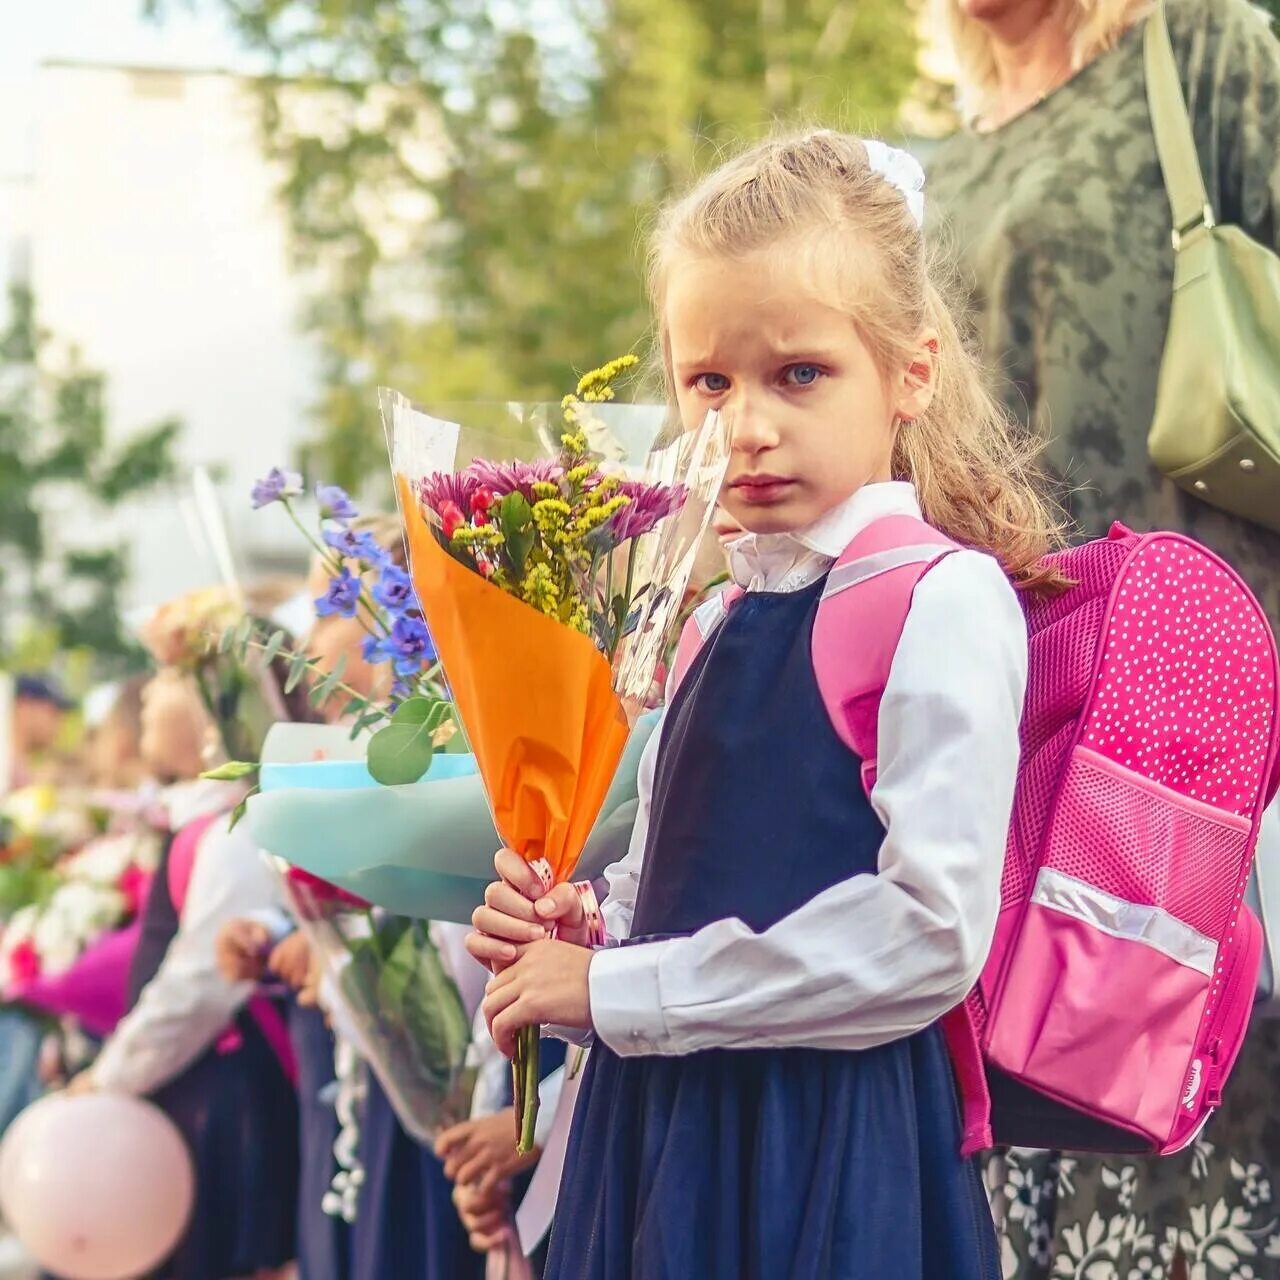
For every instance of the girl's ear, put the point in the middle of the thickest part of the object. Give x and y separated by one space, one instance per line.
920 378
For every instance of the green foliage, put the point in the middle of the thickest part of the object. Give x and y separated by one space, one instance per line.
55 455
474 191
401 752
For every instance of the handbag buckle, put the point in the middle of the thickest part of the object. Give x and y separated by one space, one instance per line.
1205 219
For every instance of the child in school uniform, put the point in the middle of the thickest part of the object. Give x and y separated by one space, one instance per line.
769 1093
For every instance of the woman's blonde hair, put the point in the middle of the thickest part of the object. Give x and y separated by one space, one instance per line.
1092 26
851 240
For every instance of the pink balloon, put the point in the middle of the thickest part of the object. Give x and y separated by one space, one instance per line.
96 1187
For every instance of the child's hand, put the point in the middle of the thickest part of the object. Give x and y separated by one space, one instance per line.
291 960
548 983
485 1214
481 1153
240 950
518 911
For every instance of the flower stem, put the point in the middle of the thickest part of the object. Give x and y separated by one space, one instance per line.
525 1066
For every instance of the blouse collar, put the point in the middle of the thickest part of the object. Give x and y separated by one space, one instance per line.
791 561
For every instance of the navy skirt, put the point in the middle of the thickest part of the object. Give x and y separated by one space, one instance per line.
762 1164
239 1115
406 1227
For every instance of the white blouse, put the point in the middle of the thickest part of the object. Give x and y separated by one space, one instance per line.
876 957
188 1004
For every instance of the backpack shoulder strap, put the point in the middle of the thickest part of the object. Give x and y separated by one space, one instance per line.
859 623
182 857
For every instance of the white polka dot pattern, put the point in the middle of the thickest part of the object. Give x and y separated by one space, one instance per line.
1186 693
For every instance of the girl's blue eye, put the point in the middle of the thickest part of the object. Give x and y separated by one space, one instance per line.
711 383
801 375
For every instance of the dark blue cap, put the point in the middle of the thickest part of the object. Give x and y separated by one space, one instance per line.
41 689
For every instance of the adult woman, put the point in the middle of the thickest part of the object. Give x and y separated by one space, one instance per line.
1054 199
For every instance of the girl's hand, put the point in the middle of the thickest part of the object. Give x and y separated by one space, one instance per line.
548 983
481 1154
240 950
290 961
484 1214
518 911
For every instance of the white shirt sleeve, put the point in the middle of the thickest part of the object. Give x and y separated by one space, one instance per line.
875 957
188 1003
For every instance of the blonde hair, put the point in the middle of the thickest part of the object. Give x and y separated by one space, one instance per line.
1092 26
974 471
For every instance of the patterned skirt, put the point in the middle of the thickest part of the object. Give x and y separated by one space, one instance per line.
792 1164
1209 1213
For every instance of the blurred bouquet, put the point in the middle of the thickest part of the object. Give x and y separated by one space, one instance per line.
397 1001
549 582
67 952
38 825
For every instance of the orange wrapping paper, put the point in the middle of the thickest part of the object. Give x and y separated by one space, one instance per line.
535 697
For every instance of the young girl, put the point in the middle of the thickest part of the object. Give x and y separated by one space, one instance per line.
769 1093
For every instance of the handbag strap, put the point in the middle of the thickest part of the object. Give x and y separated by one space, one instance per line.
1175 142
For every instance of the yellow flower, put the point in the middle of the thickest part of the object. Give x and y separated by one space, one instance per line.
593 517
540 590
486 535
545 489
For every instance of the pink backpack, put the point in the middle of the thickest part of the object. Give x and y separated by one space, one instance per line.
1119 985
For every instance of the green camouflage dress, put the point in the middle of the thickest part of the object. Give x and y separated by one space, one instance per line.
1060 224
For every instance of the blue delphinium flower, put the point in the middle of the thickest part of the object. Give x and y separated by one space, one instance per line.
394 589
342 597
410 645
334 503
276 484
355 546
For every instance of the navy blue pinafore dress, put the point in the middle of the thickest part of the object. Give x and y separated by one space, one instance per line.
764 1164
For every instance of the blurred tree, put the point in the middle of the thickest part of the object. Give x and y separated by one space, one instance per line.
54 455
471 179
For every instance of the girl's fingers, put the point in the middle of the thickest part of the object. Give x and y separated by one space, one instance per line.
472 1170
498 924
518 873
505 898
490 950
506 1024
561 903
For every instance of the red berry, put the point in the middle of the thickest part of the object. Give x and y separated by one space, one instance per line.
451 518
481 501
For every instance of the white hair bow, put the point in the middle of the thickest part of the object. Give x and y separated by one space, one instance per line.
901 170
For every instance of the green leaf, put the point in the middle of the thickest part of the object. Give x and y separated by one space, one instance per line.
232 771
327 687
297 669
515 517
274 645
354 707
226 640
244 631
239 811
401 752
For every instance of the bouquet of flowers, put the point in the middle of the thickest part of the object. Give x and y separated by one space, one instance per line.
549 581
399 1003
68 952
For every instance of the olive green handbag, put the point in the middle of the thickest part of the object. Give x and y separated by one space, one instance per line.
1216 430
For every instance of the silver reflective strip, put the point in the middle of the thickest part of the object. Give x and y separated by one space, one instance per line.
844 576
1131 921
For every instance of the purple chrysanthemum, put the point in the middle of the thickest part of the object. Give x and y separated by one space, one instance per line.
275 485
513 477
649 504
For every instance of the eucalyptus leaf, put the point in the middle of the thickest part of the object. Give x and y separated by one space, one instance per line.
297 669
401 752
244 631
226 639
273 647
